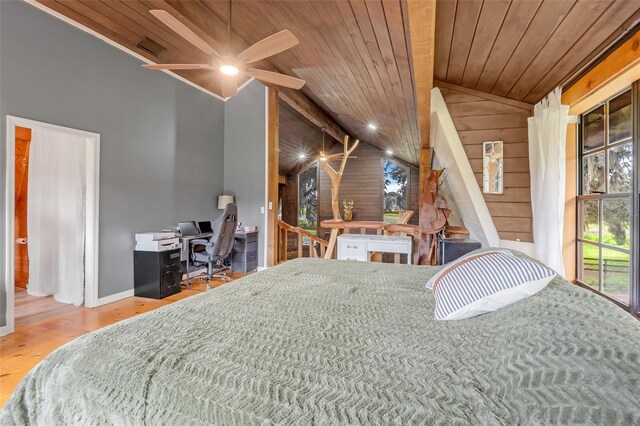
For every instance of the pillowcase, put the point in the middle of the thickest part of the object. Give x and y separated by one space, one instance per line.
485 282
459 260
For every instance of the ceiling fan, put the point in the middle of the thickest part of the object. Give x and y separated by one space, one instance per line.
227 63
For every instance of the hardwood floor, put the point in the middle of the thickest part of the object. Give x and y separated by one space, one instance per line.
34 340
32 309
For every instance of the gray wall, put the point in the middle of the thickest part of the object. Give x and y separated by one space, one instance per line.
244 156
162 141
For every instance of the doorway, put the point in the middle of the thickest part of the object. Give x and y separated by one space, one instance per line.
51 194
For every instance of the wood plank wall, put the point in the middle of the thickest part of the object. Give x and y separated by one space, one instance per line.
480 117
362 182
23 140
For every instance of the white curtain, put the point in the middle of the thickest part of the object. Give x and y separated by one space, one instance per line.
547 160
56 215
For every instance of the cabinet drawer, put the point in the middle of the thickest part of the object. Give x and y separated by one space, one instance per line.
244 266
358 258
352 250
389 247
245 257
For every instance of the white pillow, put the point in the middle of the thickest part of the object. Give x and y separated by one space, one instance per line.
485 282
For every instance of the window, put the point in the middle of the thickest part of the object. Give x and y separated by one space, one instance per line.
308 199
604 200
395 190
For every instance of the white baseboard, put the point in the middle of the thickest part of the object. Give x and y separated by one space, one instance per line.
4 330
262 268
114 298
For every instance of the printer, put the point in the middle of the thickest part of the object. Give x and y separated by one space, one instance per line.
157 241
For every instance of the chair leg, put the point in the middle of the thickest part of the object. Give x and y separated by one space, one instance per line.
209 275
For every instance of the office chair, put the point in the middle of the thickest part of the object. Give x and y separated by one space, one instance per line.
218 247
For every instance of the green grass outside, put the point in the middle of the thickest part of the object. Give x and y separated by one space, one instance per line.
391 217
616 273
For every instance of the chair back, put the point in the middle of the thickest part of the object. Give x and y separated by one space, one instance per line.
224 231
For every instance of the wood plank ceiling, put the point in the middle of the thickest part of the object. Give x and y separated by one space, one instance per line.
299 136
354 53
523 49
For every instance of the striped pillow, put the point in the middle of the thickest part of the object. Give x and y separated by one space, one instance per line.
485 282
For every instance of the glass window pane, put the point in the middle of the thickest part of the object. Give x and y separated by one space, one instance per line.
593 129
395 191
593 173
308 199
589 214
589 271
620 168
620 118
616 277
616 222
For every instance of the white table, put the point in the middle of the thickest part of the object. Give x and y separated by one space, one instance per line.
360 246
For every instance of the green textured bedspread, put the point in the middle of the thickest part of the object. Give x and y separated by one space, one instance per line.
332 342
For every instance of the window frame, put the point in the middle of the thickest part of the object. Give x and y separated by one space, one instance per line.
601 198
407 169
315 164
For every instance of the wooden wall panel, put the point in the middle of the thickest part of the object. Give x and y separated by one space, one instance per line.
478 118
21 259
362 182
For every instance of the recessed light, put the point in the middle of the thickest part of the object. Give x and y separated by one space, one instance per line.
389 152
302 156
372 126
229 70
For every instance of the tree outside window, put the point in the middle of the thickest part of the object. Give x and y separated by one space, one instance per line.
395 190
308 199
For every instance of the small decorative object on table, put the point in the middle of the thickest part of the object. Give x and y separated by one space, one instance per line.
348 210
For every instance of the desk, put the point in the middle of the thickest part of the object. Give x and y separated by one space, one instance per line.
359 246
185 254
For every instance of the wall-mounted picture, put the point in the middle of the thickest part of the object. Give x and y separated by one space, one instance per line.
492 155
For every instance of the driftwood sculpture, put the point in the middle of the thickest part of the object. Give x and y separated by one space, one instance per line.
436 212
336 175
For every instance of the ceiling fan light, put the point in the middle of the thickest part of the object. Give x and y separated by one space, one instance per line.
229 70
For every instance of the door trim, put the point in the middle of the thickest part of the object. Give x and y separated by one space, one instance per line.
91 213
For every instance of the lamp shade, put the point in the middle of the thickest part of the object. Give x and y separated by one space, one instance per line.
223 200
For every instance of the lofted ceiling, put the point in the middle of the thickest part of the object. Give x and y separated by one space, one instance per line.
298 136
354 54
524 49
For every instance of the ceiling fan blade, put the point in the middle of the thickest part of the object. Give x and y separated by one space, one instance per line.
276 78
229 86
177 66
183 31
272 45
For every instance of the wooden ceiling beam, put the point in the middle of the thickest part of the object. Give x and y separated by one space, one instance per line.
309 110
621 66
421 17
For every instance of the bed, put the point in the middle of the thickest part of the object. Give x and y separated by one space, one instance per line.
335 342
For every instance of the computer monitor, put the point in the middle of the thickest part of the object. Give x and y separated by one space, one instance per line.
188 228
205 227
